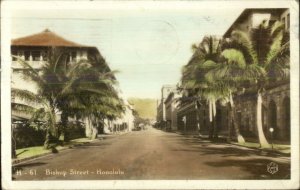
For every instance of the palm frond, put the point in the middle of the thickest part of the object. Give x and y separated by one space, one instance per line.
25 95
22 108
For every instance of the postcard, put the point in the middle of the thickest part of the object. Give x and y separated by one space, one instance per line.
150 94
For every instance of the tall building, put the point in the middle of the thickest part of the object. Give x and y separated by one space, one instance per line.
276 97
251 18
161 108
171 104
34 50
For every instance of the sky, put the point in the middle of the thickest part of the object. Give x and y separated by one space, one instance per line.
147 46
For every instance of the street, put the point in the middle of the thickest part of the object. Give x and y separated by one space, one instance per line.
154 154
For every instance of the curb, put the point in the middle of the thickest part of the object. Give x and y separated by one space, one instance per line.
252 148
18 161
264 150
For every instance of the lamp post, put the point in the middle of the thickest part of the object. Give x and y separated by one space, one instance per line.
184 121
271 131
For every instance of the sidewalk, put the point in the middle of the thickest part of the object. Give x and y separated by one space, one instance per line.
284 149
29 153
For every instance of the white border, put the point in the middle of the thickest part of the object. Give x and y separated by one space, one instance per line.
6 8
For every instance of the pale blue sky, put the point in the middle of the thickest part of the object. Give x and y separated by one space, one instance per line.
148 47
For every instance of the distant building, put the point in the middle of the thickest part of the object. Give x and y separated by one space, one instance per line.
161 108
171 104
124 123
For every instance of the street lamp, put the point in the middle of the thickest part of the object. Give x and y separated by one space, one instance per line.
271 131
184 121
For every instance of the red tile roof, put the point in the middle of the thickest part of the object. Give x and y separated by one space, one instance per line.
45 38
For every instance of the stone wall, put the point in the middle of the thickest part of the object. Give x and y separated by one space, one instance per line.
275 112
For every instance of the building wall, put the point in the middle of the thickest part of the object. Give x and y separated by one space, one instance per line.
285 18
275 112
254 17
165 91
189 112
174 116
36 58
171 111
276 100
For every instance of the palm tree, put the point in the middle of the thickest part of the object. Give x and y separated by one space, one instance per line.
266 50
84 87
229 74
37 113
194 80
216 71
66 86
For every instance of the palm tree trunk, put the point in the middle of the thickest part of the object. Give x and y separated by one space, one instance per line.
212 115
64 122
216 131
13 142
51 126
240 138
261 136
94 128
214 111
230 123
210 120
88 127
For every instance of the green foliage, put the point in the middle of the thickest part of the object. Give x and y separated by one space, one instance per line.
27 135
82 89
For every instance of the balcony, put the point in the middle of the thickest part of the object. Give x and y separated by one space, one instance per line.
34 64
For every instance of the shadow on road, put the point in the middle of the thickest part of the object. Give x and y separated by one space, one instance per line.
224 155
92 145
254 167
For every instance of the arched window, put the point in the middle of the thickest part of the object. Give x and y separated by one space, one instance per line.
286 116
272 117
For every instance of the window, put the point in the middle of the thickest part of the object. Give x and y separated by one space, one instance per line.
44 55
15 54
27 55
36 55
283 21
288 21
271 22
73 55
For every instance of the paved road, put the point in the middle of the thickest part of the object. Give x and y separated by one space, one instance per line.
154 154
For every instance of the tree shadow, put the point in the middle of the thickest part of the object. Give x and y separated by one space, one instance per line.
253 161
83 146
205 146
255 168
21 152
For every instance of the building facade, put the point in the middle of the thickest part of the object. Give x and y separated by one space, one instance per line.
193 116
124 123
34 50
171 104
276 97
161 107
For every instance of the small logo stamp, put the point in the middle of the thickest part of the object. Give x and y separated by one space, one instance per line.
272 168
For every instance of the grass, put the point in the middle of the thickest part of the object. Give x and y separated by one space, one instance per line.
277 147
38 150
